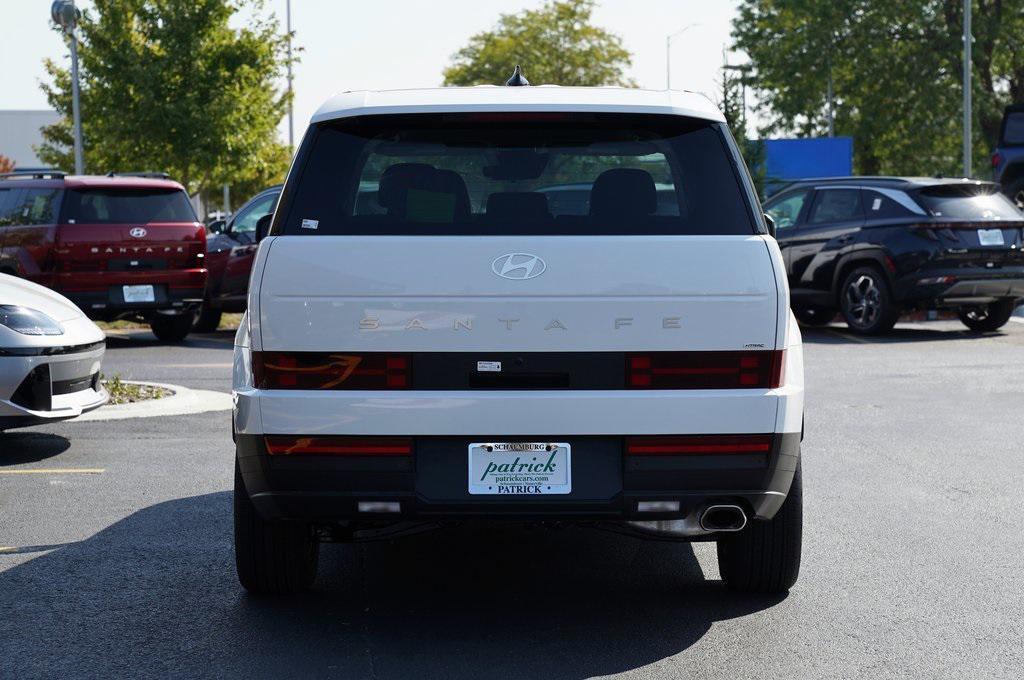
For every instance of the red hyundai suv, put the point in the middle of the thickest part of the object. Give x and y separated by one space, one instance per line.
118 246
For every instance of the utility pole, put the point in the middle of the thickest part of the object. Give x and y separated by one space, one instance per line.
968 72
668 53
291 123
831 106
66 15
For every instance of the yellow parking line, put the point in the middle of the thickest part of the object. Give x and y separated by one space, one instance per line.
7 548
55 471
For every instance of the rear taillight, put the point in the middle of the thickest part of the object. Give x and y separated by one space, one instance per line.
697 445
330 371
704 370
291 445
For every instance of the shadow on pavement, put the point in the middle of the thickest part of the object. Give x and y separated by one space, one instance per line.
841 335
18 448
143 338
155 595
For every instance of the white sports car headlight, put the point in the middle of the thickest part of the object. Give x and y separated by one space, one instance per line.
28 321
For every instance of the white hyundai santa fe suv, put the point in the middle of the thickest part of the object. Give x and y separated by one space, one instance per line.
434 334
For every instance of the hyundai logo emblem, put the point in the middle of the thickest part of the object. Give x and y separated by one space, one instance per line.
518 266
137 232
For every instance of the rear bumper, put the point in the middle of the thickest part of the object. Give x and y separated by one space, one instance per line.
108 303
432 484
975 286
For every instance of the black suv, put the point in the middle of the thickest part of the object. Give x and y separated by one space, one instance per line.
872 247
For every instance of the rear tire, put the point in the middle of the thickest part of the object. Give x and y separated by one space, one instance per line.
813 315
987 318
272 557
765 557
867 303
208 319
172 327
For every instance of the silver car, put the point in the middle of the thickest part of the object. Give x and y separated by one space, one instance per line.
50 356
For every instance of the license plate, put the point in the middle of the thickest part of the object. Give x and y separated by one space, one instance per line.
991 237
519 468
138 294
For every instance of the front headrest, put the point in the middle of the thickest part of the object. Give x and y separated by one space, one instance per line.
396 181
517 205
623 192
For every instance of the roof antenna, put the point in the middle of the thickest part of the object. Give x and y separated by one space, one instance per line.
517 79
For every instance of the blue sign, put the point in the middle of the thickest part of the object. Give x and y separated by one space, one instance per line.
790 159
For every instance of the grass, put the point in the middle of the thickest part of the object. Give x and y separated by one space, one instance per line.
228 322
128 393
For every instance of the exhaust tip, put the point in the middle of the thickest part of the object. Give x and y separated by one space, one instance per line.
723 518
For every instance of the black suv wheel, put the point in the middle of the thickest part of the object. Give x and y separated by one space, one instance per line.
812 315
272 557
987 318
1015 190
765 556
866 302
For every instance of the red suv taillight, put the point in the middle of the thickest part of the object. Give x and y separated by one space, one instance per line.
291 445
331 371
685 445
704 370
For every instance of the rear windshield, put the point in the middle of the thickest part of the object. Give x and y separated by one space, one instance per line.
969 203
1013 129
111 206
497 174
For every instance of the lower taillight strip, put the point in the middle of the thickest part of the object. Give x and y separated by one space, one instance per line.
681 445
295 445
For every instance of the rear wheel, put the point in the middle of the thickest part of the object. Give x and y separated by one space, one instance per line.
987 318
867 303
272 557
765 557
813 315
208 319
172 327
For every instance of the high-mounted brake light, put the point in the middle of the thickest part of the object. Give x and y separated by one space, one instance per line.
687 445
330 371
292 445
705 370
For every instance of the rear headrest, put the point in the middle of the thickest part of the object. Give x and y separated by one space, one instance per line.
623 192
420 192
524 206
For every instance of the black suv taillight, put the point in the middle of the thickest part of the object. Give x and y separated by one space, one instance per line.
331 371
704 370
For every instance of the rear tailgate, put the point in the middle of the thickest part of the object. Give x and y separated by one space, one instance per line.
596 293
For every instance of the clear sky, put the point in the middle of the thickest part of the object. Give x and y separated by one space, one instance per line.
381 44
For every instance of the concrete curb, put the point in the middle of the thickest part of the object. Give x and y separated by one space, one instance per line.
184 401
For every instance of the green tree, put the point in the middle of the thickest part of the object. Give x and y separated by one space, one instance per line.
556 44
169 85
895 66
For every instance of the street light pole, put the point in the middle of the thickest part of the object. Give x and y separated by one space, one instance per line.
66 15
968 72
668 53
291 124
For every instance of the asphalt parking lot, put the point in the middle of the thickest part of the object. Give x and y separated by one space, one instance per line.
912 551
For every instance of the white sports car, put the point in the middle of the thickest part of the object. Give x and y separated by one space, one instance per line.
50 356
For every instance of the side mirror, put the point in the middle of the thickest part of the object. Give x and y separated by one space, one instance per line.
263 226
770 221
216 227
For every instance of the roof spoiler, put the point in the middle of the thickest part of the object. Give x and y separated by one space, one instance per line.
33 174
150 175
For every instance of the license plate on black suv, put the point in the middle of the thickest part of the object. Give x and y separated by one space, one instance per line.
519 468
